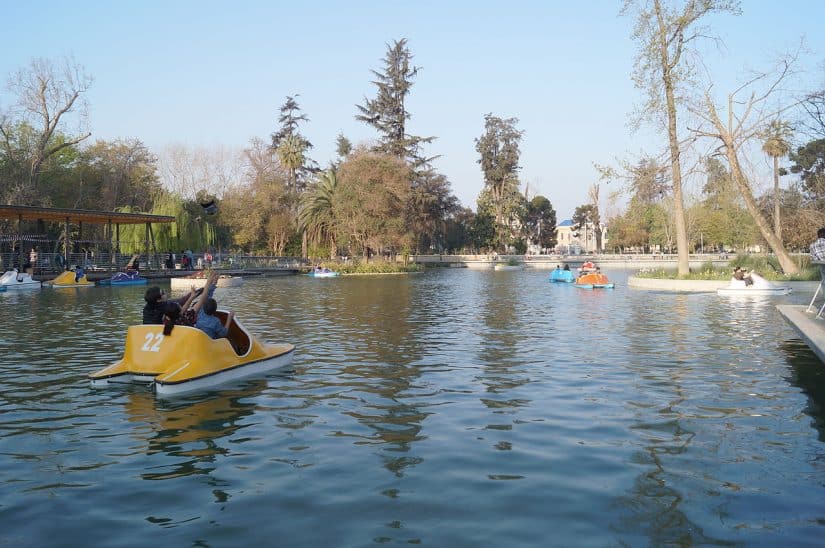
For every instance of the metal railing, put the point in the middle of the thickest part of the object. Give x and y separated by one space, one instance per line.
106 262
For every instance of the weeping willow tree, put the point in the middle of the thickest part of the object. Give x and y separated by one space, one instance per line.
190 230
132 237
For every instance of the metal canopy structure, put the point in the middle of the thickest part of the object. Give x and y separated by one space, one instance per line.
29 213
80 216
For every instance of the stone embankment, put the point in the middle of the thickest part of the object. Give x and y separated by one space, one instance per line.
549 262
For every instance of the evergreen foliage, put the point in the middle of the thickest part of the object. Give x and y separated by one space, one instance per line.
291 146
387 112
499 155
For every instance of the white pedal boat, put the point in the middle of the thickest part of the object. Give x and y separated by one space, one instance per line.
324 273
189 360
760 286
13 279
187 283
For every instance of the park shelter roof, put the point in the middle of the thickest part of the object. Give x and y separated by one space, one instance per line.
30 213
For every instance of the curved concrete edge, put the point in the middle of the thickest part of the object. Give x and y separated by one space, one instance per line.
700 286
811 330
659 284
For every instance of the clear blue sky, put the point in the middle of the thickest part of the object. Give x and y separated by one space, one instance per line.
205 73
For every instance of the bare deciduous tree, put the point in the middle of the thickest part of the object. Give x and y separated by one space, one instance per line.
187 171
46 91
664 33
738 123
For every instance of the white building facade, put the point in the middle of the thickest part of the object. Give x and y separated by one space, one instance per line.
572 240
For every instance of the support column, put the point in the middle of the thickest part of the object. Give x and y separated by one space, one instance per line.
111 247
152 240
66 245
20 261
146 243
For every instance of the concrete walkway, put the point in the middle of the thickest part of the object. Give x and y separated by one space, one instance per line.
704 286
810 329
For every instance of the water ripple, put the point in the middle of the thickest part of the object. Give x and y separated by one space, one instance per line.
454 407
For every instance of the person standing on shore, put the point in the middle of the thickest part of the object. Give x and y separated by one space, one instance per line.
818 251
818 247
33 260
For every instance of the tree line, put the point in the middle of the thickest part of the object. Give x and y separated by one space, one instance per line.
380 199
714 137
386 197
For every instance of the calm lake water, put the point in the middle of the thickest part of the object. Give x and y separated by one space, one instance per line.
449 408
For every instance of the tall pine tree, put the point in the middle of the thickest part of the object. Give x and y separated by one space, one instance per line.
387 112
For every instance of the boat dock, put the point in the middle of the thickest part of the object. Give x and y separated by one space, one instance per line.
158 275
810 329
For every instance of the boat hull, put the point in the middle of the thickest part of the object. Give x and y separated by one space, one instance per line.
188 360
187 283
562 276
593 280
595 286
226 376
67 279
730 291
14 280
123 278
142 281
324 274
758 286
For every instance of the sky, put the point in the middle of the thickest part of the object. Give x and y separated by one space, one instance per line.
208 73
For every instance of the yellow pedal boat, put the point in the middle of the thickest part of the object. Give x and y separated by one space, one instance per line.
189 360
70 279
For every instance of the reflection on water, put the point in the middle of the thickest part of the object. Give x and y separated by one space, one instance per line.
807 373
197 431
453 407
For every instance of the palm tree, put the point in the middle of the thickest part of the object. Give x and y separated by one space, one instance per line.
291 155
776 145
316 217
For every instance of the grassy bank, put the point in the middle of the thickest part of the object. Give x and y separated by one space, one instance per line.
767 267
372 267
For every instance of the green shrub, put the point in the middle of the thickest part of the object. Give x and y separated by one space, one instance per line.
358 266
